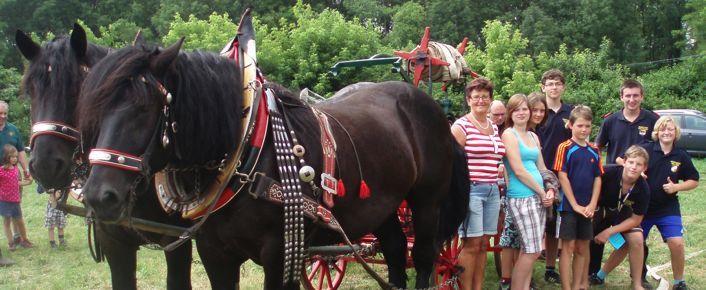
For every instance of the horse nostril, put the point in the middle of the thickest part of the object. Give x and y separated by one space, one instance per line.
108 197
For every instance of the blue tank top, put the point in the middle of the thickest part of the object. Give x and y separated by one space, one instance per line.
515 187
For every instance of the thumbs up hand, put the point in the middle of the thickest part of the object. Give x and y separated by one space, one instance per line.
670 187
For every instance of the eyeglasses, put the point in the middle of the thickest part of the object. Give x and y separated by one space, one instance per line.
498 115
477 98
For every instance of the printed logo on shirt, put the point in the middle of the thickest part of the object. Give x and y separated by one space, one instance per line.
675 166
11 133
629 203
566 122
642 129
593 160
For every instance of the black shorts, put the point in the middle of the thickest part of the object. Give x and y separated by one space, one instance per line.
575 227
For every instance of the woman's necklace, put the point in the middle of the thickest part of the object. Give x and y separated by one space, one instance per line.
487 124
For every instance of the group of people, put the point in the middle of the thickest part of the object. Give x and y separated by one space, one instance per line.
12 155
558 194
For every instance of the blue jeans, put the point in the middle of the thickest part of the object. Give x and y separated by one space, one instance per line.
484 205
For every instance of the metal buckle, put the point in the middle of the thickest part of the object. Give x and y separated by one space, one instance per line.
325 177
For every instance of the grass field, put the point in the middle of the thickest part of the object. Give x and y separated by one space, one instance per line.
73 268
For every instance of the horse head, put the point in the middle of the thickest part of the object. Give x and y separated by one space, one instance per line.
52 81
144 108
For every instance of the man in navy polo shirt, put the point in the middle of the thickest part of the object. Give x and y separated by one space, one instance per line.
668 166
551 134
624 199
628 126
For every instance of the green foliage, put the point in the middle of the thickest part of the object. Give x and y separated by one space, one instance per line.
211 34
591 79
300 54
696 26
504 60
681 86
10 80
408 26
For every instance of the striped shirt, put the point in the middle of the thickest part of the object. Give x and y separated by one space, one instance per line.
483 152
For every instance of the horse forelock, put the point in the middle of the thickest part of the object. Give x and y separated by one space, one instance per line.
105 87
58 86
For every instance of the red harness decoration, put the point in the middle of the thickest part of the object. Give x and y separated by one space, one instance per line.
329 183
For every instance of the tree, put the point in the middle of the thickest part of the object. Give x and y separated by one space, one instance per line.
300 54
695 30
408 26
10 80
211 34
504 60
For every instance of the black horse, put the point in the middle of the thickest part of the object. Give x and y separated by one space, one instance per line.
53 80
403 150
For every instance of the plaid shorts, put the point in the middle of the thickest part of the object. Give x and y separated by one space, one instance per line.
529 216
54 217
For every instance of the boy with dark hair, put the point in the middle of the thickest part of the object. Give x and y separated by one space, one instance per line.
630 125
624 199
579 165
551 133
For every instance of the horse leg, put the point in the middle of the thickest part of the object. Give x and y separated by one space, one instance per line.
122 259
393 244
179 267
222 267
425 249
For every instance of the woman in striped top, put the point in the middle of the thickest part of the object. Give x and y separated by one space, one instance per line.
484 151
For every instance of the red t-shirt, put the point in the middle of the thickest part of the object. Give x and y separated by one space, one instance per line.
9 184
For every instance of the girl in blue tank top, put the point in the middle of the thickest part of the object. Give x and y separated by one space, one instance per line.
525 191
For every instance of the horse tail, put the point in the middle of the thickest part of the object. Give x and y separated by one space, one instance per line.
455 206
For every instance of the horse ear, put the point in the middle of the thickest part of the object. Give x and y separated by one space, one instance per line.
139 40
78 41
165 58
27 46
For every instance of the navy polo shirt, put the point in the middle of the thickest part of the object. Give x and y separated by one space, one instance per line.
582 165
553 132
10 135
618 134
636 203
676 165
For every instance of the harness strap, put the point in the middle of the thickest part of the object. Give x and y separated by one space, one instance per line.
328 144
58 129
111 158
269 189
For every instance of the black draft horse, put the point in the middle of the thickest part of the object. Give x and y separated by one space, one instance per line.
404 150
52 81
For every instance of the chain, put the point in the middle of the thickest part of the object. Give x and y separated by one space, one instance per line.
210 165
149 244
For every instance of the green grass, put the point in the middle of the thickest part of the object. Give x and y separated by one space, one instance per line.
73 267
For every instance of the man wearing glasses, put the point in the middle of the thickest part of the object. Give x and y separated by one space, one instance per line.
497 114
551 134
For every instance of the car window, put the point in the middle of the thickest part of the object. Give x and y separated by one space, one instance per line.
694 123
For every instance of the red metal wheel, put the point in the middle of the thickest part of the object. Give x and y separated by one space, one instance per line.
445 266
324 273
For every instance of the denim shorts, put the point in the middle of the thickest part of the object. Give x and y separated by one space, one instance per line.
484 208
10 209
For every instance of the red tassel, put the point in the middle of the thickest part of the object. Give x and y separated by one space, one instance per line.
364 190
340 188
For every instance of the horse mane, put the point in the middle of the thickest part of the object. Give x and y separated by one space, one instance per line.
206 90
67 74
